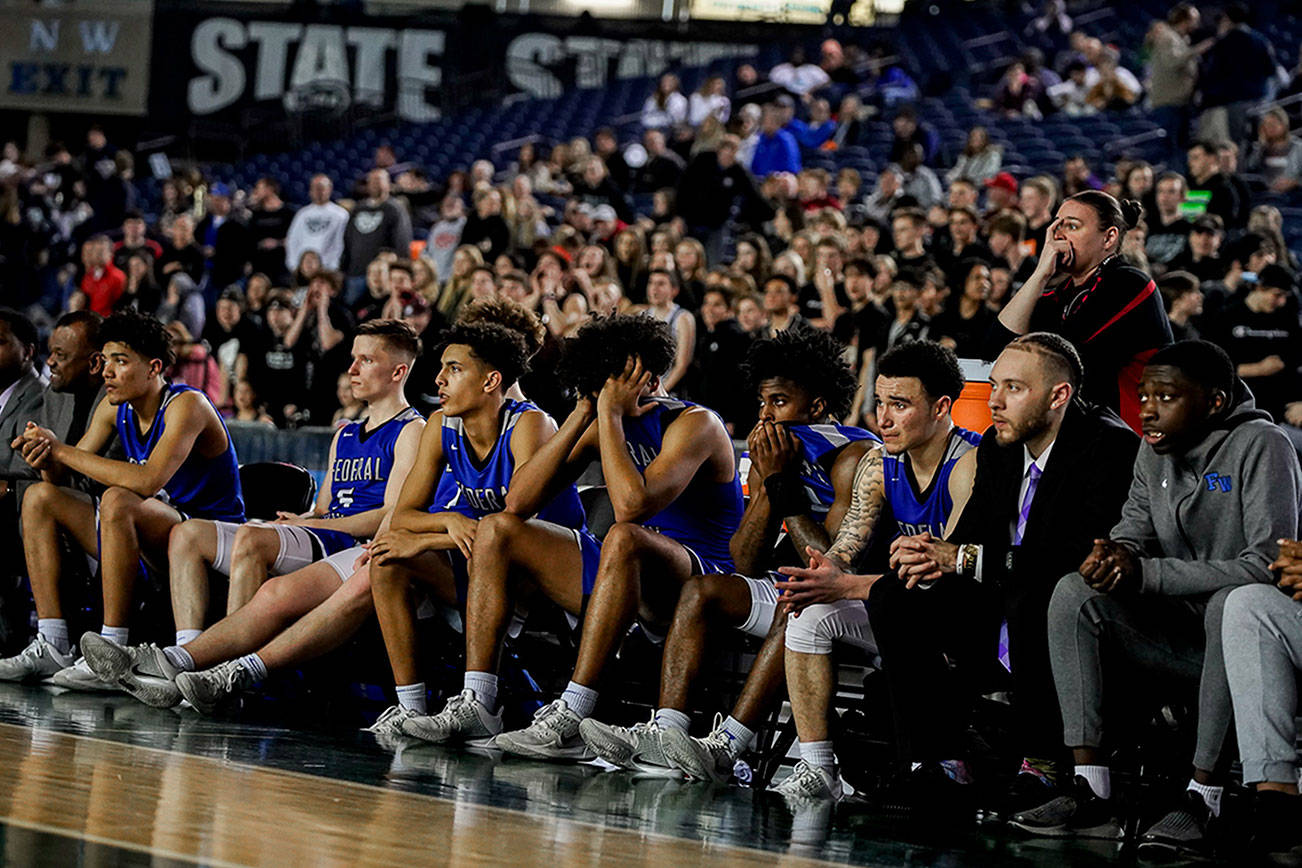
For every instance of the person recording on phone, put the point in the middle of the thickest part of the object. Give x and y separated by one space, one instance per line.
1110 311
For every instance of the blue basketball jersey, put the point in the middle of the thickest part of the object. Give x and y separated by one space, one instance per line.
820 443
478 488
200 487
706 514
918 512
363 459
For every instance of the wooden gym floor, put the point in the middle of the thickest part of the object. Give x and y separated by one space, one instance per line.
102 780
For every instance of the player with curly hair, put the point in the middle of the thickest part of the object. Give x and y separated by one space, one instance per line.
801 480
671 475
180 464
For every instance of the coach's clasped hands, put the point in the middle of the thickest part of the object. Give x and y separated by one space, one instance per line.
922 558
1109 566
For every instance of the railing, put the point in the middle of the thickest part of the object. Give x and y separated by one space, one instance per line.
1118 145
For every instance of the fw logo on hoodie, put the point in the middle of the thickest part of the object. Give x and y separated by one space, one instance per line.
1215 480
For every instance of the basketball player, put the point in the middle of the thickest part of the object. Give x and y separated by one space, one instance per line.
926 478
181 464
369 459
801 478
672 478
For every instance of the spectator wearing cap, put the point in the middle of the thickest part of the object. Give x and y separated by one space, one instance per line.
1168 229
1202 254
318 226
1001 194
1277 154
224 238
1207 179
277 359
1259 329
269 221
776 150
1036 201
1236 76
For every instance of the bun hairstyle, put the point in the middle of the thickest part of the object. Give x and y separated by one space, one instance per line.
1120 215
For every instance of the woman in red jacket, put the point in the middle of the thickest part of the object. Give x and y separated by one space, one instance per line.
1109 310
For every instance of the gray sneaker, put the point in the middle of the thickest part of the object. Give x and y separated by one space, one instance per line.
205 690
389 723
1182 831
701 759
464 719
141 670
636 748
810 783
79 677
38 660
553 735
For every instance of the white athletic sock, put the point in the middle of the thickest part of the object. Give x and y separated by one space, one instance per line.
255 667
742 735
484 686
672 718
117 634
581 700
818 754
55 631
1099 778
412 696
185 637
179 657
1211 796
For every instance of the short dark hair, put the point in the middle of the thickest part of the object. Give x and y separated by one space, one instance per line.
935 366
90 323
20 325
1174 284
399 265
497 346
810 358
1060 352
505 312
785 280
334 278
141 333
1202 362
271 182
602 347
861 265
673 277
396 334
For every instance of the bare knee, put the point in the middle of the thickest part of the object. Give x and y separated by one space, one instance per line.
385 578
497 530
187 538
623 540
119 504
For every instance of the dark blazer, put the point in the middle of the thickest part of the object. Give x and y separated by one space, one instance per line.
20 409
1078 499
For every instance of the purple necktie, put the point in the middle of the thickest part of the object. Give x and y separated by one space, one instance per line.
1033 472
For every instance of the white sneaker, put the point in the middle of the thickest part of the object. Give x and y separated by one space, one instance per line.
636 748
553 735
79 677
141 670
205 690
809 782
464 719
38 660
701 759
389 721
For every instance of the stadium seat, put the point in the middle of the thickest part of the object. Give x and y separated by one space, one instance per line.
276 486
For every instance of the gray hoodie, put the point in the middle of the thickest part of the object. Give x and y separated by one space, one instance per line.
1210 518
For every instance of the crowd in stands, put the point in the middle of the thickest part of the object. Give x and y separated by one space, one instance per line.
678 267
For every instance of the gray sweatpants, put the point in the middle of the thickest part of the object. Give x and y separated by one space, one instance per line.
1262 630
1160 635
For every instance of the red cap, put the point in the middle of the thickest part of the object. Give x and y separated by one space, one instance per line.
1003 180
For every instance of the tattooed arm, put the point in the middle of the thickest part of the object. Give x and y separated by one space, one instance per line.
865 509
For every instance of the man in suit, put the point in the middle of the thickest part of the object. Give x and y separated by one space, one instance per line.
21 385
1051 476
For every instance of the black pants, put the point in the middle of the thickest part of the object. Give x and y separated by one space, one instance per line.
937 644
